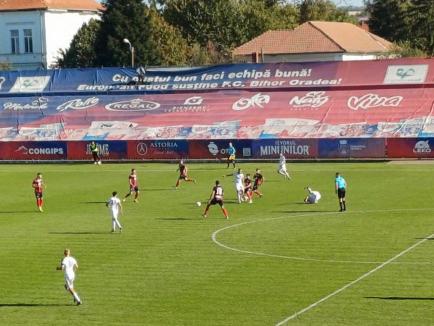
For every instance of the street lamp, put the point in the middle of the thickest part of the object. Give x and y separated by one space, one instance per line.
127 41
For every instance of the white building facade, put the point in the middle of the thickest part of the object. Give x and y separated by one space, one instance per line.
33 38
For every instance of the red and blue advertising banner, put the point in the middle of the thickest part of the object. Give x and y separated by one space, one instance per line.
111 150
290 148
45 150
218 149
410 148
352 148
157 149
355 99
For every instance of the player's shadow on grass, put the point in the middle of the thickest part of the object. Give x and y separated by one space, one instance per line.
33 305
18 212
175 218
82 232
401 298
157 189
94 202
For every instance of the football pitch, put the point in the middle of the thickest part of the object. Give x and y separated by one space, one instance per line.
277 261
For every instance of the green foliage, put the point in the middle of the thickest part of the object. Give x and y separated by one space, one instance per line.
81 52
408 22
125 19
406 49
388 18
322 10
171 48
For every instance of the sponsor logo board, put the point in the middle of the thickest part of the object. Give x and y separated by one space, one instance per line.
133 105
30 84
257 100
40 103
78 104
372 100
422 147
406 74
310 100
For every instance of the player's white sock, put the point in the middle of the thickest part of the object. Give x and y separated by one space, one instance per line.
114 225
76 297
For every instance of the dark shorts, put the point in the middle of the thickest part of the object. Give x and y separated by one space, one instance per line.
38 194
135 189
215 201
183 177
341 193
247 190
255 186
95 155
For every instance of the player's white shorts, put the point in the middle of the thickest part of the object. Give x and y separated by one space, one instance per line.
115 214
239 187
69 281
282 168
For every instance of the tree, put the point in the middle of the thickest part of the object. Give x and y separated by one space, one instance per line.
81 52
421 16
171 47
125 19
206 22
322 10
389 19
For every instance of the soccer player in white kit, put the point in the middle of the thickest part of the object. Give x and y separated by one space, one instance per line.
282 167
239 185
69 265
313 197
114 203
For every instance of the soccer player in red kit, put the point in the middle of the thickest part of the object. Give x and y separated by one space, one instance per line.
38 185
216 198
248 185
183 174
134 186
258 180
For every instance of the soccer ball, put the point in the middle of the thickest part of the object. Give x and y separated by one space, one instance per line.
198 204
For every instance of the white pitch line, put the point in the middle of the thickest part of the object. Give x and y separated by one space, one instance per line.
313 305
256 253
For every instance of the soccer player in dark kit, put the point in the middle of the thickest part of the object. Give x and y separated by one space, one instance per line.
216 198
183 174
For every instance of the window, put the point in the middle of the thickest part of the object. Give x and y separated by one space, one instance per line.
28 41
15 41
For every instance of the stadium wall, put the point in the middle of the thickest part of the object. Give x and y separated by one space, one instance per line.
258 149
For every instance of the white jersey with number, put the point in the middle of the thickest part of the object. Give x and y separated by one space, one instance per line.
114 204
68 264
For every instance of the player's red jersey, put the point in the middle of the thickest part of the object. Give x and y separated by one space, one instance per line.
218 193
182 170
258 179
133 180
37 185
247 183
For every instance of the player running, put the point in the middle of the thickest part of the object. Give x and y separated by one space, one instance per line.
239 184
183 174
95 153
115 206
282 167
248 186
216 198
231 155
313 197
38 186
69 265
258 180
340 188
134 186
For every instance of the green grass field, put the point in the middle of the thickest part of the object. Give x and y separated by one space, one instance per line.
269 261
